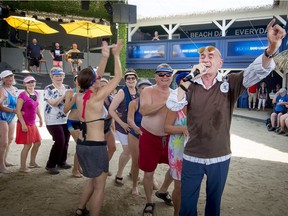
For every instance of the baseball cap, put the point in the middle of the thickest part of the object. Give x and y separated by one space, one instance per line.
144 82
28 79
282 90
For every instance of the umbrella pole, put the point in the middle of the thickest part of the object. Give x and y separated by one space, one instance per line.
26 48
88 51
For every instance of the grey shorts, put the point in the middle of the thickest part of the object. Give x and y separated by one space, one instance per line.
93 157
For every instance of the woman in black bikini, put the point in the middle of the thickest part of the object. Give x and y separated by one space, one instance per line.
91 146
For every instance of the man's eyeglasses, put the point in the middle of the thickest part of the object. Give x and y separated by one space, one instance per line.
164 74
130 78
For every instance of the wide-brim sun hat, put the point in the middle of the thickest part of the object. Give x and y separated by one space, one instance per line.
130 72
28 79
4 74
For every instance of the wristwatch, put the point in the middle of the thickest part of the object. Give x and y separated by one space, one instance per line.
269 56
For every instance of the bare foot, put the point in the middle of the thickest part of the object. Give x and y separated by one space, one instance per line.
5 171
25 170
34 165
76 174
135 191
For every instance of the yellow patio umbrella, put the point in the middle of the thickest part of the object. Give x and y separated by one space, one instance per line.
87 29
29 24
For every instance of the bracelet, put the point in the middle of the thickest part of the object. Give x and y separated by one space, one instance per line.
269 56
183 88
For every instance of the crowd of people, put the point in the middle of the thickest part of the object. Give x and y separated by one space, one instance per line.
187 128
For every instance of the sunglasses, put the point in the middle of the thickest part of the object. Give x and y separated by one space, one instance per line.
130 78
208 48
164 74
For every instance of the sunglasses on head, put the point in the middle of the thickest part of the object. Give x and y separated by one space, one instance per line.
164 74
208 48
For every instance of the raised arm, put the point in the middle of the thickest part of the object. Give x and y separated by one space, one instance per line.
104 59
275 34
113 83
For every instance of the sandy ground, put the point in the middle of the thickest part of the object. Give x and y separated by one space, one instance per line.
257 183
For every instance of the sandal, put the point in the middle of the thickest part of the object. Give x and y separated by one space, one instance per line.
83 212
165 197
149 208
119 181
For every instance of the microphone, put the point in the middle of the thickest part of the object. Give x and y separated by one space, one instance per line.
191 75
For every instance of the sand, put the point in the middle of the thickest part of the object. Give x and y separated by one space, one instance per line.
257 183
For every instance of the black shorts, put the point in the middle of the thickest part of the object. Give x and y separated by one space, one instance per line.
33 62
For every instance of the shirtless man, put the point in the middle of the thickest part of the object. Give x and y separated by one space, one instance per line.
153 144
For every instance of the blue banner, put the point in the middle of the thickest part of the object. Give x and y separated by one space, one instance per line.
246 48
146 51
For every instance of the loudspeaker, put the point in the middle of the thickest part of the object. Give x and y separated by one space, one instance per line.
4 13
124 13
85 4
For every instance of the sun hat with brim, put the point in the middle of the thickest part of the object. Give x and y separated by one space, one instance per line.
28 79
57 72
130 72
4 74
144 82
181 76
282 90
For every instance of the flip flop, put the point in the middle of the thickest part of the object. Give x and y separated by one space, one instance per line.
149 208
118 181
34 166
165 197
